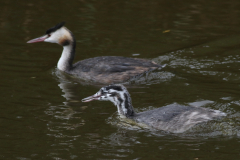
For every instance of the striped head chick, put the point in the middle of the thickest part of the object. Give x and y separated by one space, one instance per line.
117 94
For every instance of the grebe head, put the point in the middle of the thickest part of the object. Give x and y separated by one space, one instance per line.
57 34
117 94
111 93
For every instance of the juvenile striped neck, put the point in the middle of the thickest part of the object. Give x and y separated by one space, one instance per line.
124 103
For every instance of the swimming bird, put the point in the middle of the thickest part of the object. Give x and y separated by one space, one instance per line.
104 69
172 118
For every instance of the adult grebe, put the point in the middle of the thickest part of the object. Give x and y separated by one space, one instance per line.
173 118
105 69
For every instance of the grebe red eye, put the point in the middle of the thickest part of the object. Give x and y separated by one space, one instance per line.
49 35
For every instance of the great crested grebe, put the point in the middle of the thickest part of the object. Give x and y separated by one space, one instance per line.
173 118
105 69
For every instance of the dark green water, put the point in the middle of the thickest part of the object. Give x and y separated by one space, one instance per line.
42 116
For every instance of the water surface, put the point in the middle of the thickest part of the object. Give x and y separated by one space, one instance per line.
42 116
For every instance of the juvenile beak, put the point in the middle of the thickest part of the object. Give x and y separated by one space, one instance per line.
93 97
39 39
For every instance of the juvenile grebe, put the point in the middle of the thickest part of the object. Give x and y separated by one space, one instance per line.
105 69
173 118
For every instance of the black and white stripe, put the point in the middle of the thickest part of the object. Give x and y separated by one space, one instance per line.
121 98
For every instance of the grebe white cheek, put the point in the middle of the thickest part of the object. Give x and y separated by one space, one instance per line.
105 69
173 118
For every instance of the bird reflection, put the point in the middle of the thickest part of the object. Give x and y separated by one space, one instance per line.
64 113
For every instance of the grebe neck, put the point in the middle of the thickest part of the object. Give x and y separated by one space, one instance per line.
66 60
124 105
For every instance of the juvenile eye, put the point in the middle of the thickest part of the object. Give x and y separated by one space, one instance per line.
113 94
103 92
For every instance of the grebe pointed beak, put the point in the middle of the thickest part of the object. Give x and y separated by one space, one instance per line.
91 98
39 39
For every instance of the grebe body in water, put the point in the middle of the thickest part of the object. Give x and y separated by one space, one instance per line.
173 118
105 69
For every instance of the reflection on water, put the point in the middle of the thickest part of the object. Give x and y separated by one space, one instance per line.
41 113
182 65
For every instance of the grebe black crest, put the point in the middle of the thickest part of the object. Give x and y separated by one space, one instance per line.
173 118
53 29
105 69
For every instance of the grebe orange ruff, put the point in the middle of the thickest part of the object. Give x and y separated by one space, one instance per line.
104 69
